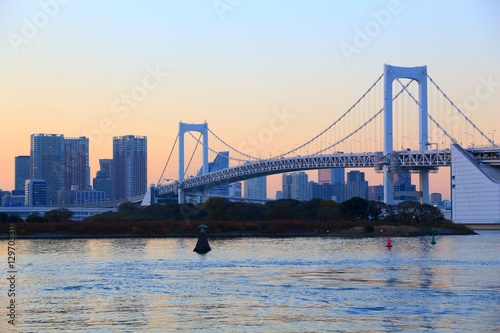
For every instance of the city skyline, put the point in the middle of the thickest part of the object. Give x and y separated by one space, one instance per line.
143 68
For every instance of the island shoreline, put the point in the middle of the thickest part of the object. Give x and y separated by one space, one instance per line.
441 232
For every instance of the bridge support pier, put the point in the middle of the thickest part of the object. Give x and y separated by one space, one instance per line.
424 187
205 194
388 186
180 196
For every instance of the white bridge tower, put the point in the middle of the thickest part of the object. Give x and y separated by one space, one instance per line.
418 74
183 128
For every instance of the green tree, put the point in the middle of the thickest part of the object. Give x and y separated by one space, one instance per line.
408 211
355 208
217 208
241 211
187 211
128 207
15 219
390 213
284 209
375 209
4 218
328 210
308 210
58 215
34 218
428 213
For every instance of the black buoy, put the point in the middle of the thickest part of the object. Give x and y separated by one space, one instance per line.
202 245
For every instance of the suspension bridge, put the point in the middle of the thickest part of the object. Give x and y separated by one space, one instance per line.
397 110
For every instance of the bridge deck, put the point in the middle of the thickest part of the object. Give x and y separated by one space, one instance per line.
406 160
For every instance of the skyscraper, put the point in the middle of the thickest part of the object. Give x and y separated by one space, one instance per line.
22 166
104 179
403 189
436 198
76 151
286 186
35 193
296 186
48 163
356 185
376 193
235 190
332 176
220 162
256 188
130 165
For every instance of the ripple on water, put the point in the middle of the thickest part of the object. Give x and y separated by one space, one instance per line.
261 285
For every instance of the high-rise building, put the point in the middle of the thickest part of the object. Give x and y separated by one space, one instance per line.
334 192
76 151
235 190
475 189
338 192
220 162
22 166
89 197
403 188
130 166
80 197
356 185
312 190
286 186
104 179
48 163
436 198
331 176
296 186
332 184
256 188
35 193
11 199
402 177
376 193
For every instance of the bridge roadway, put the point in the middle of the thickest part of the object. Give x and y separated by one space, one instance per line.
486 155
397 160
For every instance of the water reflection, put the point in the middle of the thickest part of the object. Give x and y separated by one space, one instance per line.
54 246
260 285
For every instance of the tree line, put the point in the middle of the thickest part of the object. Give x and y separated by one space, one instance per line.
52 216
221 209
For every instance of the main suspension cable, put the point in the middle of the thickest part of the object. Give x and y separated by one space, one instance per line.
169 156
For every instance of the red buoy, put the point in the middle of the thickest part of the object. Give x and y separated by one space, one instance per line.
389 245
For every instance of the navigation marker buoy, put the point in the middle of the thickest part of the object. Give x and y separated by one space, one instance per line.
202 245
389 245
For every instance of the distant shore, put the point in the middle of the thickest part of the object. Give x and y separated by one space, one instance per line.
353 218
395 231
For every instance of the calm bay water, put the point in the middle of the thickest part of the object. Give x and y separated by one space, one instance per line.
257 285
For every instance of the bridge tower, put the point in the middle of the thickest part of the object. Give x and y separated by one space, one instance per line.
183 128
418 74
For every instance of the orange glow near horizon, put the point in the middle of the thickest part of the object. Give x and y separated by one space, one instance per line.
185 61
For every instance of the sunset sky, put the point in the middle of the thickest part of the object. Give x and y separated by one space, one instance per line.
66 65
